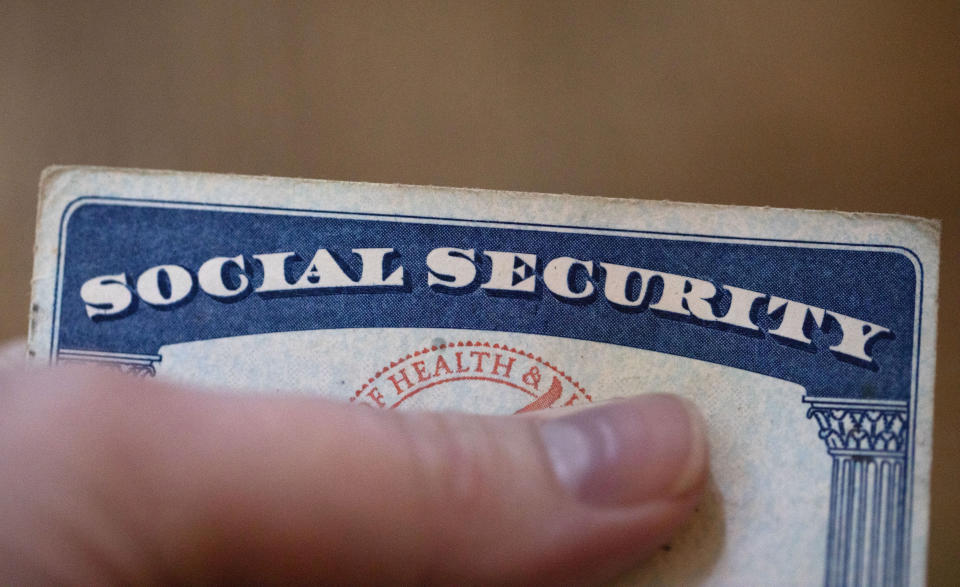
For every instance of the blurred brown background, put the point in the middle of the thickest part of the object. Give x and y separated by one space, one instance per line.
851 106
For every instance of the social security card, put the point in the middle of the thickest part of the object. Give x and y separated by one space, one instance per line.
806 338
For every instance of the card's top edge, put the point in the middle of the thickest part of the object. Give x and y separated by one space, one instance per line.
53 174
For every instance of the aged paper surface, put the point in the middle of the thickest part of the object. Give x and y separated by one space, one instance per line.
807 338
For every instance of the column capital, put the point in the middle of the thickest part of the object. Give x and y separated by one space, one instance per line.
861 427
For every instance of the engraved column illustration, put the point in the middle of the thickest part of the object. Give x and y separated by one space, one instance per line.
867 440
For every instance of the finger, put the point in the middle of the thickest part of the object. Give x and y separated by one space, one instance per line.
209 487
13 353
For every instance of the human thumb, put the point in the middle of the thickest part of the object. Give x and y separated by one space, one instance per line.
116 479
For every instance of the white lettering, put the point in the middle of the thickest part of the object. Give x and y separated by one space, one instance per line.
508 267
323 271
372 267
856 336
211 278
741 302
616 282
556 276
274 271
228 278
453 268
164 285
678 289
107 295
794 318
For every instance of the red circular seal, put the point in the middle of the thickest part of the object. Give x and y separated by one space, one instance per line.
523 381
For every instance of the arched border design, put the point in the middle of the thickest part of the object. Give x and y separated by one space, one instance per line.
871 442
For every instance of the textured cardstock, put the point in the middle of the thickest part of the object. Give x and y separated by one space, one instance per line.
807 338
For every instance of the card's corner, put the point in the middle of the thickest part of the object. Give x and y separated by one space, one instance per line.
918 236
929 228
60 185
933 228
54 176
54 184
54 169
